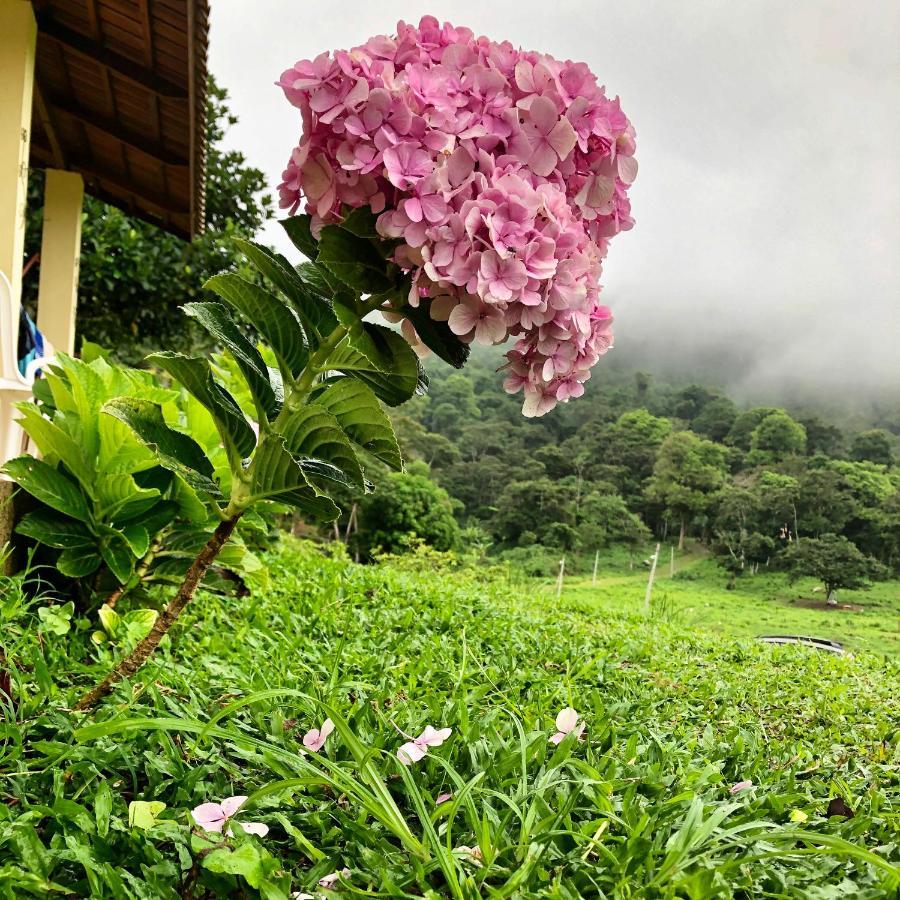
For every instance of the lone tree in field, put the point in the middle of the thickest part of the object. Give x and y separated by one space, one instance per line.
834 561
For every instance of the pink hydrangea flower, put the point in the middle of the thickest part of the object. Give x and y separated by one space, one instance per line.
503 172
315 738
417 748
567 723
215 817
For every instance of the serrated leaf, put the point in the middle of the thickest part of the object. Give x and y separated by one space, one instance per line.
277 475
177 452
325 286
394 372
49 485
117 554
138 539
358 412
119 495
361 222
78 563
314 432
437 336
55 530
354 260
298 230
55 443
312 308
195 375
217 320
277 322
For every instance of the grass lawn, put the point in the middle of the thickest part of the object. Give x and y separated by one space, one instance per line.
709 767
697 598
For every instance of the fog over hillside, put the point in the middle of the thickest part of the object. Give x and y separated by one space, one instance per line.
768 200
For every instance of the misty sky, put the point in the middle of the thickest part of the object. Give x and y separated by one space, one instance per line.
768 198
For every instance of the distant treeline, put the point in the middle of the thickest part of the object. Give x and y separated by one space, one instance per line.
635 458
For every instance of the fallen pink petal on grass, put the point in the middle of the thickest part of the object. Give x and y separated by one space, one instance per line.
314 739
214 817
567 723
417 748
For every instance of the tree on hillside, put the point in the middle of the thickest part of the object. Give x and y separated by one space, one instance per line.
745 424
630 445
134 276
822 437
605 519
716 419
834 561
775 438
872 446
689 472
691 401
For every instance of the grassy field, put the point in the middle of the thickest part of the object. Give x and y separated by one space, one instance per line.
709 767
697 598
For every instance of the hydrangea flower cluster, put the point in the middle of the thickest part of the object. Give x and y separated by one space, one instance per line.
504 172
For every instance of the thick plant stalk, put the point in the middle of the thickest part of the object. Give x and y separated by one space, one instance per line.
131 663
135 579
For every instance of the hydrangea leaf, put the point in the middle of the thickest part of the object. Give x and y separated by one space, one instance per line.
277 322
217 320
195 375
177 452
358 412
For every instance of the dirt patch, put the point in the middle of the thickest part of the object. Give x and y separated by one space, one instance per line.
824 605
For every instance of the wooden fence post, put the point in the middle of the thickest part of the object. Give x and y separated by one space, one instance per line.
650 580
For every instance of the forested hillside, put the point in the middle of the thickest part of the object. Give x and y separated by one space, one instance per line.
637 458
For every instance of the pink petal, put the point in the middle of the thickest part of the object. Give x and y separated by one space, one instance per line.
557 738
410 753
628 168
563 138
741 786
209 816
462 320
260 829
230 805
435 738
543 114
543 159
567 719
442 798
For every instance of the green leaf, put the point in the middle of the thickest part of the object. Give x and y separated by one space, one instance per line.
437 336
310 305
360 415
298 230
55 443
326 287
388 365
56 619
175 451
277 322
103 803
49 485
78 563
314 432
117 554
109 619
144 814
361 222
196 376
217 320
245 861
277 475
55 530
138 539
354 260
118 495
